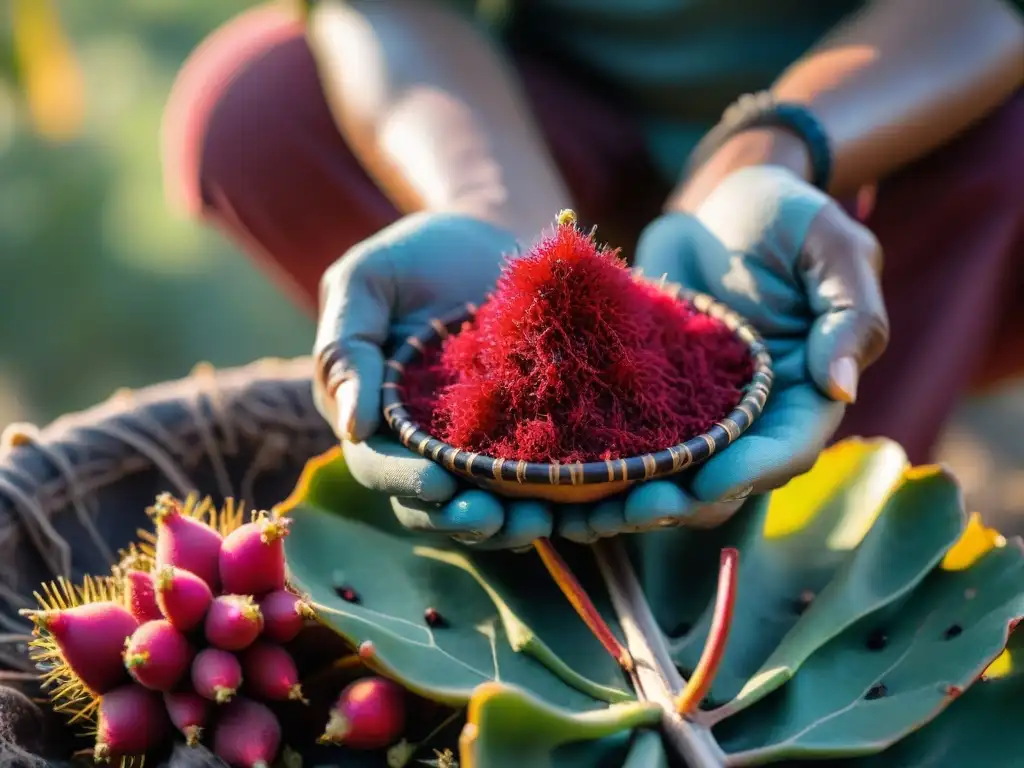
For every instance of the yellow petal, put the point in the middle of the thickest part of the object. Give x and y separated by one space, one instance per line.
866 469
976 540
1000 667
53 82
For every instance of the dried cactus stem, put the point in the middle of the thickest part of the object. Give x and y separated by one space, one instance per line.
272 527
164 507
101 753
192 733
306 610
40 619
337 730
223 695
703 676
133 660
295 694
582 603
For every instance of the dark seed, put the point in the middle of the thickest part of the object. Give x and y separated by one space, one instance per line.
803 602
953 631
347 594
433 618
877 691
877 640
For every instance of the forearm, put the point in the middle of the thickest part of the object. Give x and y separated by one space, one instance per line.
904 78
889 86
433 112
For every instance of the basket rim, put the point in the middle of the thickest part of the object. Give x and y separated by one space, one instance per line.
667 461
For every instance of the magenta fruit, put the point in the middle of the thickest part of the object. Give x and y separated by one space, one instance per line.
189 712
140 596
91 640
270 673
369 714
131 722
247 735
157 655
252 556
216 675
183 597
284 615
185 542
233 622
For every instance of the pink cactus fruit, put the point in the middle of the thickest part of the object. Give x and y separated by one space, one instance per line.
131 722
185 542
369 714
247 735
183 597
189 713
270 673
233 622
90 639
252 556
157 655
216 675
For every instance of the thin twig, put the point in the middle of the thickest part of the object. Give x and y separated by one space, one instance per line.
714 649
576 595
655 676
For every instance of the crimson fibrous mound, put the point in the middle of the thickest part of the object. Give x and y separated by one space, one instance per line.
574 359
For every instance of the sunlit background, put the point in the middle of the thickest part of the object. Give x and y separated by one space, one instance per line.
101 287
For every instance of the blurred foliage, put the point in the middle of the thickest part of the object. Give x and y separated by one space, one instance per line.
100 285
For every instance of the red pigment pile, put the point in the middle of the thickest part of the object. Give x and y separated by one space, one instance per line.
571 359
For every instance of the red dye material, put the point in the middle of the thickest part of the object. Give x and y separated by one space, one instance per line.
571 359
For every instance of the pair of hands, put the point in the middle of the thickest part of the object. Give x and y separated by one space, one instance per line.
778 251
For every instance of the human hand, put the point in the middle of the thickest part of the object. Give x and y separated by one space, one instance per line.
379 292
787 258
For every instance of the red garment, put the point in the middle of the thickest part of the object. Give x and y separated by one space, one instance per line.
249 145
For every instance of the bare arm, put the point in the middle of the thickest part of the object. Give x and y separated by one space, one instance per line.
433 112
890 85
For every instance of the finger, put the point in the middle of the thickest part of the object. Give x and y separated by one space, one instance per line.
609 517
470 517
354 320
358 397
657 504
383 464
525 521
840 265
573 524
783 443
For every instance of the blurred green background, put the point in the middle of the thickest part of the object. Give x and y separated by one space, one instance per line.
100 286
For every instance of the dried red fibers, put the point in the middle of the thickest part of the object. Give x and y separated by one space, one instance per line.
571 359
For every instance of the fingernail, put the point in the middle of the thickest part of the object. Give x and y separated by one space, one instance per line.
843 375
346 398
668 522
740 493
470 537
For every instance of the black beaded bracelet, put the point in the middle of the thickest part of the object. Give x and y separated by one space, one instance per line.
761 110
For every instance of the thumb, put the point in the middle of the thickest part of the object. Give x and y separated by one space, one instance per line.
354 321
840 264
